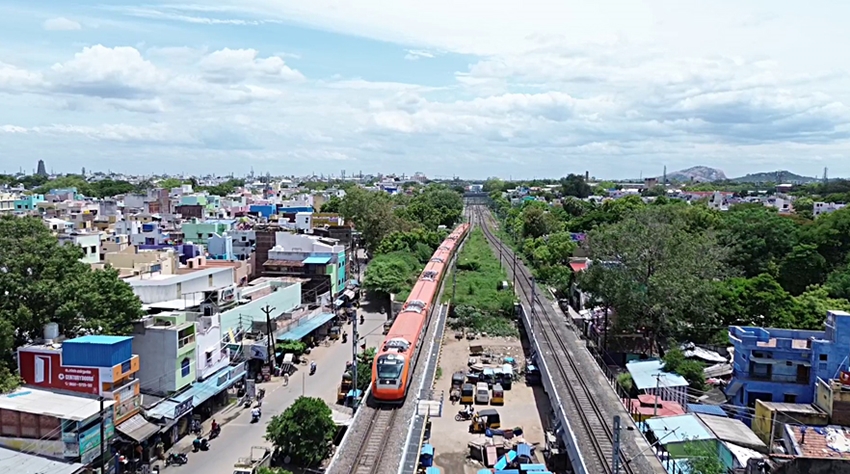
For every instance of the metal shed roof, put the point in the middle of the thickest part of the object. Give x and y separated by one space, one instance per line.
644 375
733 431
25 463
42 402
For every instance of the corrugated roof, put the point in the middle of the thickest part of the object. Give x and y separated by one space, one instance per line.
98 339
25 463
678 429
138 428
732 430
283 263
305 328
644 375
42 402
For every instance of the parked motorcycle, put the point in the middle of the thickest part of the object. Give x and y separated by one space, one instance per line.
176 459
155 470
200 444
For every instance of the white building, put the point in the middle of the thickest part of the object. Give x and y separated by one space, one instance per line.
7 202
820 208
156 287
212 354
89 242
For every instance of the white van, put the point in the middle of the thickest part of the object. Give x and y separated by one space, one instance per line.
482 393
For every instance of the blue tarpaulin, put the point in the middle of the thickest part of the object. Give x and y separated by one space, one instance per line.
296 334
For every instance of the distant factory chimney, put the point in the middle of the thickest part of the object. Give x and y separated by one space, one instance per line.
586 176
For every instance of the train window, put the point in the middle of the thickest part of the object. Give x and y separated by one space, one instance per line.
415 305
437 260
390 367
429 275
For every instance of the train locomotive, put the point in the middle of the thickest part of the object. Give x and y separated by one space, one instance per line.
395 361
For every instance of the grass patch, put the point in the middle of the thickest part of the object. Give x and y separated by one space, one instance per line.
478 304
438 373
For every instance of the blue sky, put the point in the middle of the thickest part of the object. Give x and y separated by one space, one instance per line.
473 88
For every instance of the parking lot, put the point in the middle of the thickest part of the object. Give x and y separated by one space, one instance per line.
522 406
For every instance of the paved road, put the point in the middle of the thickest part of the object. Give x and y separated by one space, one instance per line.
239 435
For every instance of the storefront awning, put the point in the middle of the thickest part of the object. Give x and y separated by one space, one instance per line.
138 428
212 386
296 334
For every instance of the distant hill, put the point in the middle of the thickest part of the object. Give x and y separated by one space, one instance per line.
778 177
697 174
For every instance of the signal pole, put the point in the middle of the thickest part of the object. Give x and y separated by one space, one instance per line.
615 459
354 339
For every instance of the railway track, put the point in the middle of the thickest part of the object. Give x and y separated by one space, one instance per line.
370 452
594 430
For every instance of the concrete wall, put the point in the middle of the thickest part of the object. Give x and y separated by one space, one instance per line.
283 300
158 348
208 338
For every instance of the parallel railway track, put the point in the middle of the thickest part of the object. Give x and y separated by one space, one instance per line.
370 452
593 430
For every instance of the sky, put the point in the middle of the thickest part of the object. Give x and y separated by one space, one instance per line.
537 88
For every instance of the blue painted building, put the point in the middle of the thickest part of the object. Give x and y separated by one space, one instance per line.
782 365
29 202
263 210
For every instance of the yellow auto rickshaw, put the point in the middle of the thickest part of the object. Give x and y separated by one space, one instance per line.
483 420
334 333
467 394
498 397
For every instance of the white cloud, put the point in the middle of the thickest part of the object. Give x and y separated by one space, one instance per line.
237 65
416 54
61 24
99 71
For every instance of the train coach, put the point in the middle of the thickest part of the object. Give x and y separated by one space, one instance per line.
395 362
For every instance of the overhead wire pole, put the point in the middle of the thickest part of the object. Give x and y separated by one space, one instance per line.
268 311
354 341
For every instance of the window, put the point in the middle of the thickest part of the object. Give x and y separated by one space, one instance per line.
185 367
788 363
824 357
790 398
389 368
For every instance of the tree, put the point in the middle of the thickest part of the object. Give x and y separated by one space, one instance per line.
538 220
169 183
365 360
332 205
655 275
758 238
44 282
372 214
494 185
703 458
434 207
676 363
390 273
575 185
801 268
304 431
273 470
757 301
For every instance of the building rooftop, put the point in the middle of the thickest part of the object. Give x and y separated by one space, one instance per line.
820 442
43 402
733 431
156 279
25 463
644 375
97 339
678 429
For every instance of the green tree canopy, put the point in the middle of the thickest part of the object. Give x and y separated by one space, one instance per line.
332 205
655 275
575 185
391 273
44 282
303 431
365 360
703 458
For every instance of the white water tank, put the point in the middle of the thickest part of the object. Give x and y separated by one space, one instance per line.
51 332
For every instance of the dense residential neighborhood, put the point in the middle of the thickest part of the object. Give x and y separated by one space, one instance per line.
221 281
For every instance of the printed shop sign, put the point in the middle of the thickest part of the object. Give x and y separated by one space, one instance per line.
46 370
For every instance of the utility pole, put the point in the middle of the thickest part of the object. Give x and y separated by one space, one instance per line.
454 281
533 298
268 311
102 438
354 340
657 391
514 269
615 458
500 255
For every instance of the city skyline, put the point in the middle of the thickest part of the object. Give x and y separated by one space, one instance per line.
474 89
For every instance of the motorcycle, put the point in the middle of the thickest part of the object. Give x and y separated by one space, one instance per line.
255 416
362 319
155 470
176 459
200 444
463 415
313 369
215 432
247 402
344 337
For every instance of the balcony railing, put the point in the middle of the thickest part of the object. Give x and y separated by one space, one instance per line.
182 342
778 378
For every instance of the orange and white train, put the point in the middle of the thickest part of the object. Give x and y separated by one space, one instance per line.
396 359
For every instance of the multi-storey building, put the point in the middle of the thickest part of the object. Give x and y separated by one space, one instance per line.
94 365
783 365
167 343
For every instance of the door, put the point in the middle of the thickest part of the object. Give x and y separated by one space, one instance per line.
803 374
42 369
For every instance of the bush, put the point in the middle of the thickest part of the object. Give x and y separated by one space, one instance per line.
675 362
